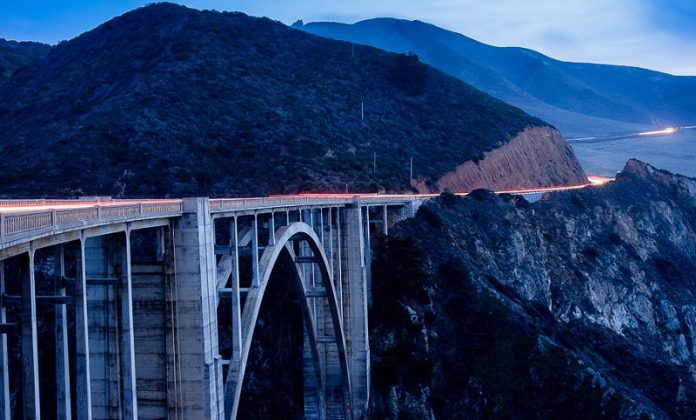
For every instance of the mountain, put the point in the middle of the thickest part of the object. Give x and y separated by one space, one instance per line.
578 98
16 55
167 100
581 305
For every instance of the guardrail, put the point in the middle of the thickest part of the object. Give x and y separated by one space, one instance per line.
13 224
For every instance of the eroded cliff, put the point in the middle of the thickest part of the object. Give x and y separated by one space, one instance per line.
583 303
537 156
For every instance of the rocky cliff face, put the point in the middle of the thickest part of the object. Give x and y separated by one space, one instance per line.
537 156
582 303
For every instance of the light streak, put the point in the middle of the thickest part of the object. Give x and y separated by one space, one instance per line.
599 180
9 208
665 131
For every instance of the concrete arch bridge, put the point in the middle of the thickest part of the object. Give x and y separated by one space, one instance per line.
112 308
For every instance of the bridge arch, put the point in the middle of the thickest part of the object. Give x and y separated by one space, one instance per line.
284 237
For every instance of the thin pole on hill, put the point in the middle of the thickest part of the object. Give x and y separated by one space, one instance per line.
362 110
410 173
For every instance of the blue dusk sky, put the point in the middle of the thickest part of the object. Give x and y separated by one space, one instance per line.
656 34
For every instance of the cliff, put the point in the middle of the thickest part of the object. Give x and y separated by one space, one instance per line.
581 304
538 156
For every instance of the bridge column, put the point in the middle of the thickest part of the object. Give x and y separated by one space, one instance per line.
236 305
30 348
355 306
109 300
155 338
196 320
367 252
4 368
63 402
83 377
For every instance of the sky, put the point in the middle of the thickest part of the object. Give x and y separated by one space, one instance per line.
655 34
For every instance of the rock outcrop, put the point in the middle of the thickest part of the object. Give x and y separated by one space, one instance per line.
537 156
581 304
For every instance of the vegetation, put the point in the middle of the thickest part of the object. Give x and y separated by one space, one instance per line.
169 101
16 55
578 98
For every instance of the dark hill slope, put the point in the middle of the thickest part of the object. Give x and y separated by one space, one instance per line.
167 100
578 98
16 55
582 305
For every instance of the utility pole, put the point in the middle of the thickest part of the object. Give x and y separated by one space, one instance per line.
410 174
362 110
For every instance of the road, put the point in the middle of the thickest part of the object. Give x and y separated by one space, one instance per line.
27 206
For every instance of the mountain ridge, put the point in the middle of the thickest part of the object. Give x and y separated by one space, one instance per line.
599 97
166 100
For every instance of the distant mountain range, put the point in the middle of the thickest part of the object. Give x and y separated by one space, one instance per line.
579 99
167 100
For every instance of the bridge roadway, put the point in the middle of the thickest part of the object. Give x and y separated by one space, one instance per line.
136 296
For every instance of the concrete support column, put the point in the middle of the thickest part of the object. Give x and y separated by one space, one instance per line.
175 398
254 252
127 359
4 367
313 408
385 220
83 376
355 306
150 335
271 230
196 320
109 300
63 403
368 255
236 304
338 263
30 349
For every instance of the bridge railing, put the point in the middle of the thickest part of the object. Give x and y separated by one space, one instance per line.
16 224
222 204
103 211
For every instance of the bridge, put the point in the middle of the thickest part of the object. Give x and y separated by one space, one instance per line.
116 308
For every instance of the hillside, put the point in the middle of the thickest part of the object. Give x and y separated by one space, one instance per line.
16 55
578 98
579 305
167 100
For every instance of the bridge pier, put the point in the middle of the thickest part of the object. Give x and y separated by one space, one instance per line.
196 313
157 378
4 367
110 320
355 306
64 404
30 351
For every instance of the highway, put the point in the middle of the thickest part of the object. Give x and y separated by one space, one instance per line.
29 206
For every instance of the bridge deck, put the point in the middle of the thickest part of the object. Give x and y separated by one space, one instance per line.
26 220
